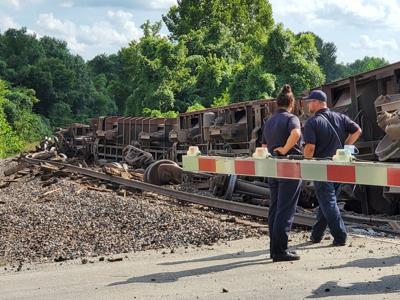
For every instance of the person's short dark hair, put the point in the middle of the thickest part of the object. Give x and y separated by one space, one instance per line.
285 97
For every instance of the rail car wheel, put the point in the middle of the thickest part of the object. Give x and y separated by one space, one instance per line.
163 172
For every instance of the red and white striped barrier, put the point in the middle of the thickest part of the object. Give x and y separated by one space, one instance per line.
356 172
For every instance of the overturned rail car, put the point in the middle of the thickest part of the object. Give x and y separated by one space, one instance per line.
372 99
111 135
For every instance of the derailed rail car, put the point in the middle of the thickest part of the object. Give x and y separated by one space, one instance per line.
356 96
112 134
232 130
371 99
235 130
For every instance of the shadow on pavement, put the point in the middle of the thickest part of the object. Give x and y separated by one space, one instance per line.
240 254
369 263
384 285
166 277
310 245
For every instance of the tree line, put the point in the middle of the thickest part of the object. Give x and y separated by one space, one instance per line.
217 52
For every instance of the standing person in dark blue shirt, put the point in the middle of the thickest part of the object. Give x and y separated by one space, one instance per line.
281 135
324 133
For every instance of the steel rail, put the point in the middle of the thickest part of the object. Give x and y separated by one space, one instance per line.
243 208
304 219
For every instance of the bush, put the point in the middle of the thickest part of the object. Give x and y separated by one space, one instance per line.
194 107
19 126
155 113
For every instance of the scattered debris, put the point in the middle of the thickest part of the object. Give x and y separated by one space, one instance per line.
4 184
98 189
395 225
114 259
15 169
75 218
47 193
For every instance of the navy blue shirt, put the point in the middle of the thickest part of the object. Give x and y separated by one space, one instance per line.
277 130
318 132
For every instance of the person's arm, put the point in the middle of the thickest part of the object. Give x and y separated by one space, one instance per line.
263 136
353 137
310 139
290 142
309 150
353 129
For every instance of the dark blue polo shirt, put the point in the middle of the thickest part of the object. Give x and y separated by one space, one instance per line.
277 130
318 132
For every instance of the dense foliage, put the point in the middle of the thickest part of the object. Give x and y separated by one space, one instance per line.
18 125
61 80
218 52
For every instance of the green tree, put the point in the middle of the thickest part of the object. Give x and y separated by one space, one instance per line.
293 60
366 64
252 82
194 107
18 125
244 17
47 66
19 50
327 59
115 87
62 113
213 78
156 73
155 113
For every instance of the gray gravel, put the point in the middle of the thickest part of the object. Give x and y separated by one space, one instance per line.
74 222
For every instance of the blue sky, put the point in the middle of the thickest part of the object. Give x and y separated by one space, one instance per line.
91 27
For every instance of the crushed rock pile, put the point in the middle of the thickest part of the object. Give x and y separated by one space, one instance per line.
65 221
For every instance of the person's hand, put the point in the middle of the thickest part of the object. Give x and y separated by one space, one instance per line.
280 150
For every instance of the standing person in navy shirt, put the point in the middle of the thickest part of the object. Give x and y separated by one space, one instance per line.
324 133
281 135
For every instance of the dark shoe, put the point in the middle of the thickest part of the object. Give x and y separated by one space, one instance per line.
338 244
285 257
289 251
314 240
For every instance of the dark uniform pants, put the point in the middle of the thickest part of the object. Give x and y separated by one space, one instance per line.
328 213
284 196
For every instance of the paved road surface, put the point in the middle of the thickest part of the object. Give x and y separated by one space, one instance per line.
367 268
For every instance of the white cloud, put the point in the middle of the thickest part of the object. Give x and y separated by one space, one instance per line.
367 46
15 3
7 22
381 45
65 30
124 20
110 34
161 4
372 13
19 3
133 4
67 4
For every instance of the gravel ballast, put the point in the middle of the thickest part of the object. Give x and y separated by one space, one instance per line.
72 222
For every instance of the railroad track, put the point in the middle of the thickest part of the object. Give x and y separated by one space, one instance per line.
301 218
